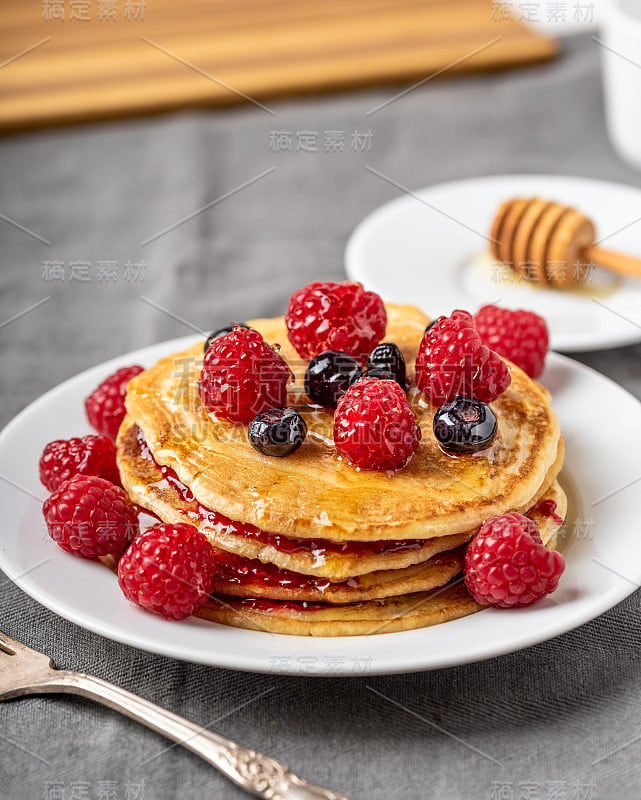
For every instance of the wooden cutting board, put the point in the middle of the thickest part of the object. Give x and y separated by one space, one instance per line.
73 60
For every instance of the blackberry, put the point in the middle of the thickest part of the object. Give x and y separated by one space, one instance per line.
387 356
464 425
380 373
277 432
329 375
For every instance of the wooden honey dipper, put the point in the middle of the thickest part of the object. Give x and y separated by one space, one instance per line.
553 244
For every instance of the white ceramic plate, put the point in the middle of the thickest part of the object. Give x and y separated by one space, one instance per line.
603 549
429 248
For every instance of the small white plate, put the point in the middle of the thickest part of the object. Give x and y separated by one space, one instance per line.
430 248
601 424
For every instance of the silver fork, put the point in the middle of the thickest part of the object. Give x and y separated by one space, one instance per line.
25 671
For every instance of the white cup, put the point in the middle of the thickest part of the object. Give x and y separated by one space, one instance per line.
621 53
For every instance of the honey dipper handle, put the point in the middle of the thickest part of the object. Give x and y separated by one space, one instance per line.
617 262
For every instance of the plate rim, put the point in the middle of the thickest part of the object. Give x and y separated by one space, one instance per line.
354 266
28 583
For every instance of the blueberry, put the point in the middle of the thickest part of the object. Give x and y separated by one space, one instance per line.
388 356
380 373
277 431
464 425
329 375
222 332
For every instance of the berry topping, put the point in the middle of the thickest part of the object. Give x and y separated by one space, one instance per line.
90 517
329 375
374 425
335 316
105 406
277 431
242 376
168 570
507 565
388 356
521 336
464 425
380 373
91 455
547 508
453 362
222 332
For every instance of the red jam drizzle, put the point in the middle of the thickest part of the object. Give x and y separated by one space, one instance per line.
241 571
547 508
292 544
262 604
285 544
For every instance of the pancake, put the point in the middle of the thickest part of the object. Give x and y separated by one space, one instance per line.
159 491
314 494
549 514
242 577
251 578
368 617
359 619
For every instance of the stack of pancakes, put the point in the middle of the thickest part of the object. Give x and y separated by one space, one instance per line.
308 544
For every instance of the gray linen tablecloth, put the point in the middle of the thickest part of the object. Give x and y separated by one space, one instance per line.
527 725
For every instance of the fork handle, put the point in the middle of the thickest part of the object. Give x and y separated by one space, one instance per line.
257 774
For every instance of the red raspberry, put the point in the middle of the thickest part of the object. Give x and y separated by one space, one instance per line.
91 455
453 362
521 336
242 376
105 406
374 425
506 564
335 316
89 517
168 570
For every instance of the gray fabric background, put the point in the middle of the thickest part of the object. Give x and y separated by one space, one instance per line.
546 714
